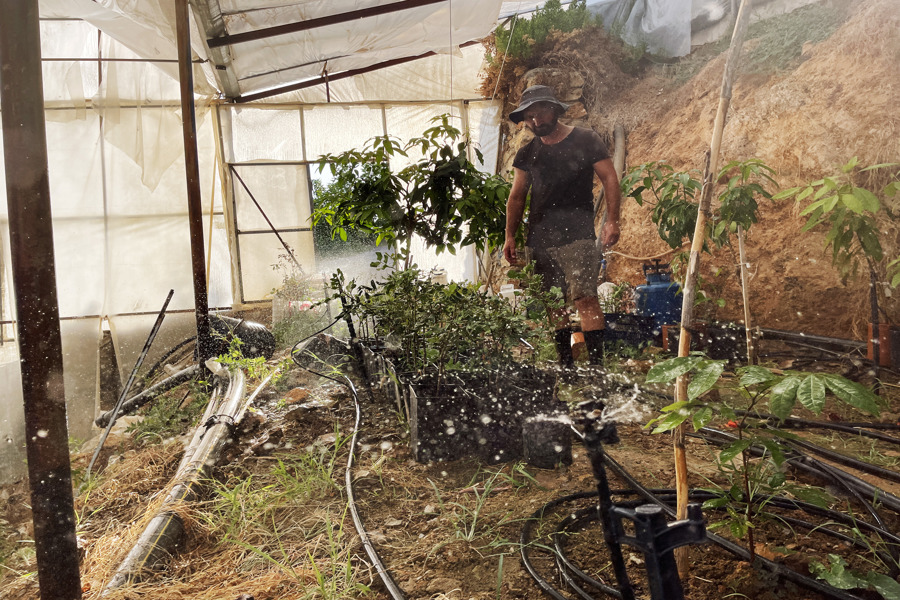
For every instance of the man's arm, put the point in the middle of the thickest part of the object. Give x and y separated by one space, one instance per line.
605 170
515 208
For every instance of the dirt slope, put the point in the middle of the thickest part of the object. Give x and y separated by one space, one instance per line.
840 102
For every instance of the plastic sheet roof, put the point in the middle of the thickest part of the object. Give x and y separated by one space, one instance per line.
257 47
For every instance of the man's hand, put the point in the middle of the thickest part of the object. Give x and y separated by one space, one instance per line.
609 235
509 251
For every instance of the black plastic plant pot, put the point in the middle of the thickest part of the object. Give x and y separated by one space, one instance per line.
630 330
720 341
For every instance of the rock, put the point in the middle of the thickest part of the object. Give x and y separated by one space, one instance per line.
393 523
566 83
327 439
442 584
576 111
377 537
429 509
296 395
322 403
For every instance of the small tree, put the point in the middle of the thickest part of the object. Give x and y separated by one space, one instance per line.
745 394
671 196
442 198
850 212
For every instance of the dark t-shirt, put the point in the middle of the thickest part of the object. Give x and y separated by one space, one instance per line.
562 181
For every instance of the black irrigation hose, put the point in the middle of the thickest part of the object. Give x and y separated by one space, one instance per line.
817 467
393 589
846 461
852 428
577 519
525 543
735 549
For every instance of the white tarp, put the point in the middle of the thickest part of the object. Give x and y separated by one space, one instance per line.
118 192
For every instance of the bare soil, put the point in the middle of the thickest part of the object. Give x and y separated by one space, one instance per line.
445 530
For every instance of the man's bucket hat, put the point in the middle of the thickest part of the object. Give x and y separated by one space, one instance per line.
533 95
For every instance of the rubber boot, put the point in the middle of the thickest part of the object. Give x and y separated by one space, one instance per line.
563 339
594 342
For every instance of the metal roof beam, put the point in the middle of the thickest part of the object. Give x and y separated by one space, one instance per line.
337 76
209 15
259 34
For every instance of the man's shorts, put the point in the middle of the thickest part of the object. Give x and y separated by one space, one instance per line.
573 268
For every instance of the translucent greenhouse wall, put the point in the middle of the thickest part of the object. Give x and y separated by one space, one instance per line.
119 199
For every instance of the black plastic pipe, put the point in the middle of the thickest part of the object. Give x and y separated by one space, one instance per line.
135 402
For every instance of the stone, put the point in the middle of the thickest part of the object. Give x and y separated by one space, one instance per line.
296 395
442 584
566 83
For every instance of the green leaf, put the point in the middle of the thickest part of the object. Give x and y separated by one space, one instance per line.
815 496
702 418
719 502
754 375
671 421
838 575
869 200
853 394
811 393
783 395
853 202
670 369
705 378
774 449
732 450
884 585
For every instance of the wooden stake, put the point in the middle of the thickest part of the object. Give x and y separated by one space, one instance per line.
690 284
745 292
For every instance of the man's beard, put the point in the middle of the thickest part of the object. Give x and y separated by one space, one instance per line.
545 128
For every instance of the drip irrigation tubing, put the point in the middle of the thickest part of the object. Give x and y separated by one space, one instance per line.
165 530
392 588
733 548
662 498
817 467
572 574
851 428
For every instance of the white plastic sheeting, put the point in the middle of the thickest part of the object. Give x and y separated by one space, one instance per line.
118 192
274 149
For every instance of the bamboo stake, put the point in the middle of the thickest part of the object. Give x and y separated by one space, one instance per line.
690 284
745 292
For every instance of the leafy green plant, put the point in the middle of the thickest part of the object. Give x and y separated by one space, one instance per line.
619 300
849 210
526 35
442 197
233 357
751 388
536 299
838 575
671 196
738 207
445 325
170 415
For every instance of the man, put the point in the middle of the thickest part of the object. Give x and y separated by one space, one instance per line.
558 166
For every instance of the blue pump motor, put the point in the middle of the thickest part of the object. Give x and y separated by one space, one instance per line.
660 298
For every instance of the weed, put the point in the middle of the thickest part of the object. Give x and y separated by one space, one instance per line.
170 415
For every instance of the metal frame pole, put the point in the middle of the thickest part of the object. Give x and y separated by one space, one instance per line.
37 309
192 170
